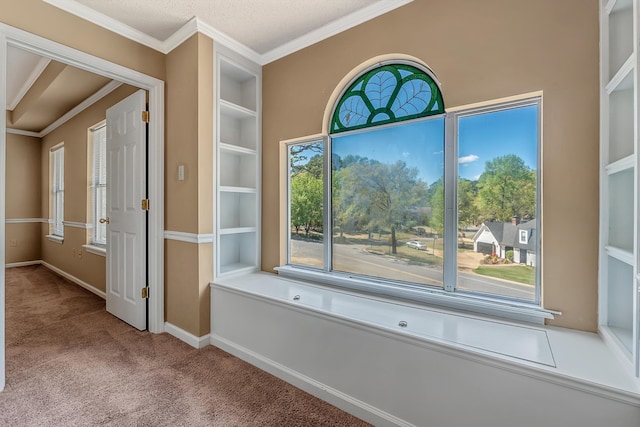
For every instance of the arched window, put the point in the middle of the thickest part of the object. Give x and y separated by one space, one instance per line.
401 197
387 94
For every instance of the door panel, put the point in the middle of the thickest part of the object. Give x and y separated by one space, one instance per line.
126 229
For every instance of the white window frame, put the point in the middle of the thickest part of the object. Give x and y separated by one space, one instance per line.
448 296
523 237
98 153
57 191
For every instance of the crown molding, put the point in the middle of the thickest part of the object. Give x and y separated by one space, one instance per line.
196 25
24 132
40 67
106 22
176 39
339 25
106 90
225 40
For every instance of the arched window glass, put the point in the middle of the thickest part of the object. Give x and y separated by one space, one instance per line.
387 94
401 196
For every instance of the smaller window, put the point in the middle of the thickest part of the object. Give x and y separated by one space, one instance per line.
57 188
523 236
99 185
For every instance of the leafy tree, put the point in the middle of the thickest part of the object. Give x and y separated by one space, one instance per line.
306 201
436 201
506 188
306 157
371 194
467 203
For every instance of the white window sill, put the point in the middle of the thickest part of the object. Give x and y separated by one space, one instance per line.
54 238
562 356
96 249
512 310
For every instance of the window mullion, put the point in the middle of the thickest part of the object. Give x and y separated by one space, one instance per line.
450 264
327 207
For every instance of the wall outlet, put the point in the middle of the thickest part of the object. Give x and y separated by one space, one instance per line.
13 242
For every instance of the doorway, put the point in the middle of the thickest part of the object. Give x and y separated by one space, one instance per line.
10 36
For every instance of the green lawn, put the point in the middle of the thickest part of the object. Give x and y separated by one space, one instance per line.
515 273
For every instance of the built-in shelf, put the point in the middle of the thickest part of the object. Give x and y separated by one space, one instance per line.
237 230
620 35
238 169
624 164
236 111
620 254
621 119
620 80
229 189
618 301
238 250
620 195
237 164
235 149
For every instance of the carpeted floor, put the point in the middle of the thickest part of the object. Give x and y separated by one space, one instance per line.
70 363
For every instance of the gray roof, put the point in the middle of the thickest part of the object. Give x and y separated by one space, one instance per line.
508 234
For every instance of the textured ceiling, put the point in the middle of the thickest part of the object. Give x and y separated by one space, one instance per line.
261 25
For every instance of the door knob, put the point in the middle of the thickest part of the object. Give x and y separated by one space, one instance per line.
106 220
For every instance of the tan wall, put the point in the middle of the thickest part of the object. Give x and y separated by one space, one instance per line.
188 73
189 203
480 50
23 177
40 18
22 240
70 256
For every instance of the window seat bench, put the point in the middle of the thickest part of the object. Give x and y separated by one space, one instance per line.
397 363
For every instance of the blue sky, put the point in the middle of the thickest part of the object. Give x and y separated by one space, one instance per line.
421 145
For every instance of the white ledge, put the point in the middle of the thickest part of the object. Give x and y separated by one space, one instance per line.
569 358
507 309
54 238
96 249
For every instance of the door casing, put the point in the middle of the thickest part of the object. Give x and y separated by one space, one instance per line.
11 36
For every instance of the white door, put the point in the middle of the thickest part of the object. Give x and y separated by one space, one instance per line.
126 220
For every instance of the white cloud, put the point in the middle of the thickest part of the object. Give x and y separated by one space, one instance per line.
406 154
468 159
438 152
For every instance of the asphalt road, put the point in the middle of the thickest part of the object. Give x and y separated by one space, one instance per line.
355 259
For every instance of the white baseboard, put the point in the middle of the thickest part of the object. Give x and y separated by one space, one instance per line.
75 280
187 337
22 264
335 397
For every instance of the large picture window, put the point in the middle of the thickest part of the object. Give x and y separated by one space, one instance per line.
402 195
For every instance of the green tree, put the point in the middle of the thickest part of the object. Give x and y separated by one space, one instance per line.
436 202
306 201
376 195
467 203
506 188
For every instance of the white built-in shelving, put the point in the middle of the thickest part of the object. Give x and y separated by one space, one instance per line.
238 164
619 318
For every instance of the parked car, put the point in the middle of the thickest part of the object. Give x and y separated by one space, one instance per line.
416 245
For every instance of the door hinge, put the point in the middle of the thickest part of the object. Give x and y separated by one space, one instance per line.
145 292
144 204
145 116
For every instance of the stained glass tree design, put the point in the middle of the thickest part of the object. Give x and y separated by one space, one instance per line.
387 94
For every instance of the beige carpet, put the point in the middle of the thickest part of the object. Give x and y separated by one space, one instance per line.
70 363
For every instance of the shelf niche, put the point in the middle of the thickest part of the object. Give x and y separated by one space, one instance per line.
620 301
620 34
621 199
